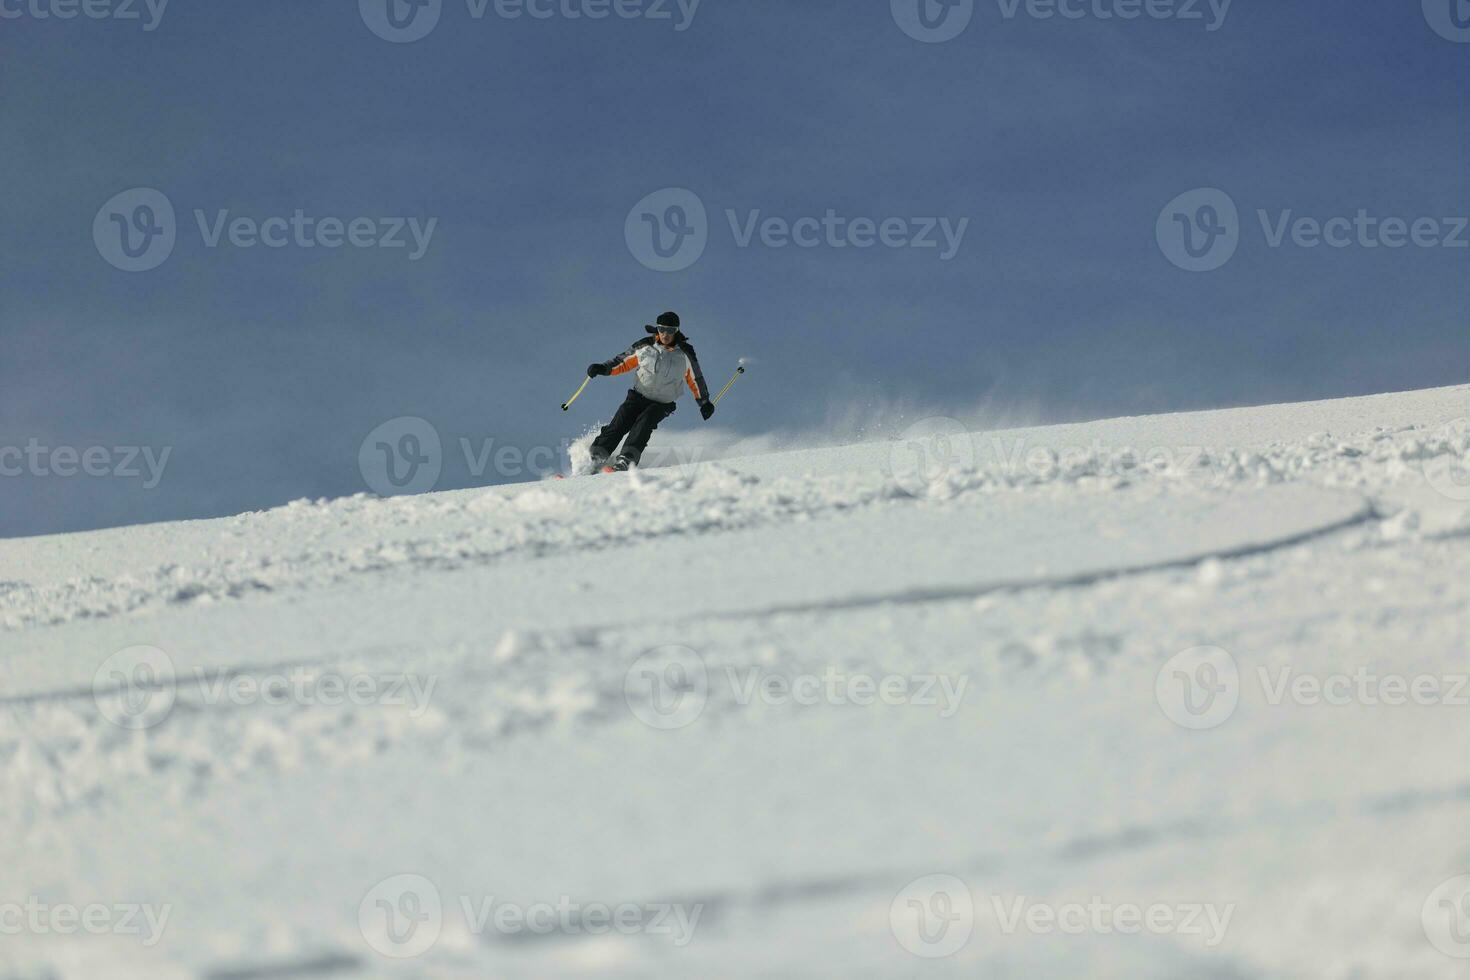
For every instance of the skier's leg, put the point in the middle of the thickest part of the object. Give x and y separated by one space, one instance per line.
643 427
623 419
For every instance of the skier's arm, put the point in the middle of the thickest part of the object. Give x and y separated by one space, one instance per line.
694 377
622 363
628 363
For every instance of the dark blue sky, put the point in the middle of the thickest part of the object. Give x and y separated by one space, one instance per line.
530 140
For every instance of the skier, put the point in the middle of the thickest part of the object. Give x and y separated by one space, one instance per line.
665 363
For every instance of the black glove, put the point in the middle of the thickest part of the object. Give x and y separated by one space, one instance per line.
595 370
706 409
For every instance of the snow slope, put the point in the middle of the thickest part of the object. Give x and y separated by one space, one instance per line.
1077 645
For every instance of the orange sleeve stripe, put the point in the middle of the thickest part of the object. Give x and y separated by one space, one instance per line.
689 380
626 366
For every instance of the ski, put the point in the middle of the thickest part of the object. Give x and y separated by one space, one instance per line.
614 467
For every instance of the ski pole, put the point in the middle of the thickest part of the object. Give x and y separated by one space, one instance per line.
569 401
733 378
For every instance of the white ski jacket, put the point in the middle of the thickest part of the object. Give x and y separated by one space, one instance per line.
663 372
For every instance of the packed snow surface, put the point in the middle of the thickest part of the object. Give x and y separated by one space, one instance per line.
1176 696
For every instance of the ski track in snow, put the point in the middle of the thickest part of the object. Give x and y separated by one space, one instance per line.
456 530
1328 826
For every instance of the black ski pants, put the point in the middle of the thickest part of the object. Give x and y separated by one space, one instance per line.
636 418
